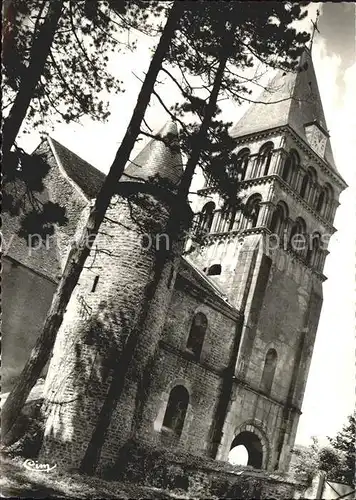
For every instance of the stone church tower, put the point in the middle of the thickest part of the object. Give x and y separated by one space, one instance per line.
208 351
269 258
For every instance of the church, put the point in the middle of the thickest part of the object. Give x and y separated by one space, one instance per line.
209 349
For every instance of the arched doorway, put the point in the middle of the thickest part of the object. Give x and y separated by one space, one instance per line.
253 447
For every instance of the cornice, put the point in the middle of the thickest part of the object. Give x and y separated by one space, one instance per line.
287 188
301 143
211 237
249 387
305 204
315 157
188 357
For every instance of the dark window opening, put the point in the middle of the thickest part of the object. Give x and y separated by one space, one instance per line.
242 161
290 165
95 284
253 210
264 158
305 185
176 410
206 216
197 334
214 270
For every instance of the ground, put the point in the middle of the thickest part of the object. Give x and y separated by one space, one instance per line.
16 481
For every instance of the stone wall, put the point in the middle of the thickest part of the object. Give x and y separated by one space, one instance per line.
109 336
175 365
26 297
198 477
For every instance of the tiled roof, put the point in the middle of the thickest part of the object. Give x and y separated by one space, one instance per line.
294 101
200 279
158 159
87 177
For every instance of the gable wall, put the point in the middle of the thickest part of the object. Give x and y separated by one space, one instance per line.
174 366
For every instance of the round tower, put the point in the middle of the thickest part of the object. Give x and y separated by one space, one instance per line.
95 388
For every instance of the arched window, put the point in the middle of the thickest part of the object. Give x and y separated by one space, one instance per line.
313 255
214 270
252 210
269 370
290 165
323 205
298 242
206 216
329 199
176 410
320 204
307 187
279 219
197 334
264 159
304 189
242 159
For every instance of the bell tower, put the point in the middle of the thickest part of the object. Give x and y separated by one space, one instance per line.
268 258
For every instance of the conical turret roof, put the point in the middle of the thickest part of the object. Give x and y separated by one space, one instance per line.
294 101
158 159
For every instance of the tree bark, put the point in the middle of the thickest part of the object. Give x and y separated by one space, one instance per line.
38 56
80 250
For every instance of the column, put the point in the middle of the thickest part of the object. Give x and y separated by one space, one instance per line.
281 156
266 213
250 170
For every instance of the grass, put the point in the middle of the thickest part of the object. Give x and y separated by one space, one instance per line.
19 482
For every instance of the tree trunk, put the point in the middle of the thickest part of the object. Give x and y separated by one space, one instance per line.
80 250
38 56
208 115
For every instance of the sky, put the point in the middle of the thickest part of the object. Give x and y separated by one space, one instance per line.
330 392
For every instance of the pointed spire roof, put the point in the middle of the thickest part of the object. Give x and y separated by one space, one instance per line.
159 158
294 101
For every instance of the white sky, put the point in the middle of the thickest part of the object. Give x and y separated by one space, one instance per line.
330 393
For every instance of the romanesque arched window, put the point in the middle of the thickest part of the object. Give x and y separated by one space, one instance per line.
324 201
206 216
290 165
304 188
321 201
176 410
279 217
252 210
307 189
297 239
197 333
264 159
269 370
242 159
329 201
314 252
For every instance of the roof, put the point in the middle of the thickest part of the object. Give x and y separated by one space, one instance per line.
88 178
43 259
291 99
202 281
158 159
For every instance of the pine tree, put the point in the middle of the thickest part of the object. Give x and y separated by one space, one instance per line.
212 43
55 67
79 252
344 442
